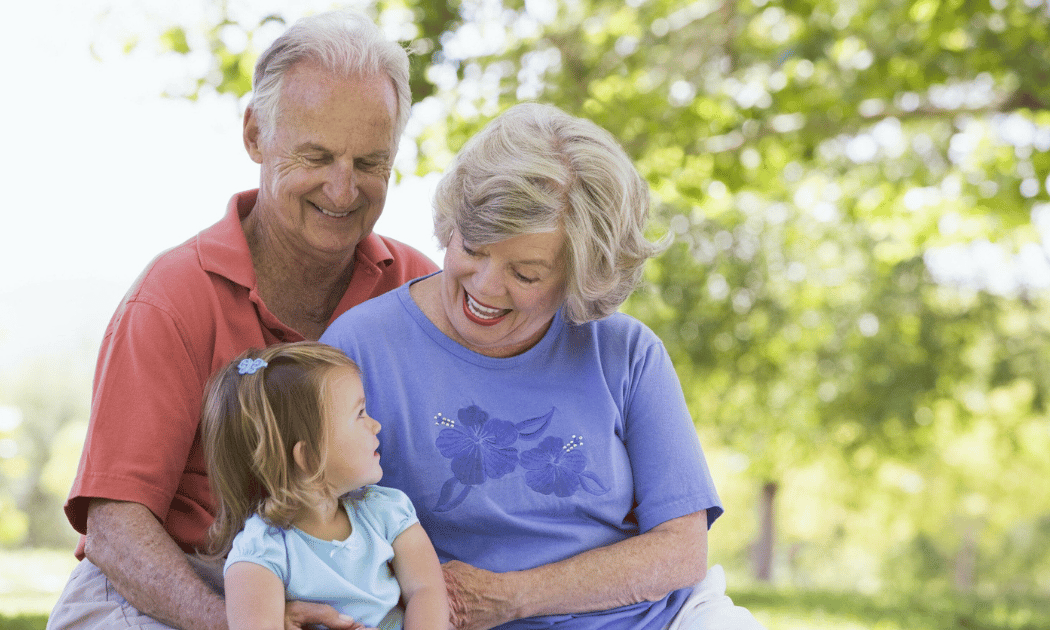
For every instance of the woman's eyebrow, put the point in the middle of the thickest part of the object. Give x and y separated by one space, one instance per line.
537 262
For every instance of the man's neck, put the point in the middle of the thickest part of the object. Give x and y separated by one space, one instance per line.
301 289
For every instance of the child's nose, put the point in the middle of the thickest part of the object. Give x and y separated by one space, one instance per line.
376 426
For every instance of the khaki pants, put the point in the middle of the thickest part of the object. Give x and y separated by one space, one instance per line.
90 601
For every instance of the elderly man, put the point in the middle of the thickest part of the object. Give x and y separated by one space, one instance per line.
330 102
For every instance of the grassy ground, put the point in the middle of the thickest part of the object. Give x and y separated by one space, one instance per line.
806 610
30 582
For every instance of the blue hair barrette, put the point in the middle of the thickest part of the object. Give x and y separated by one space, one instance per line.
251 366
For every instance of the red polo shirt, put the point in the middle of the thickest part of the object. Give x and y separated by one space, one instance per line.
193 309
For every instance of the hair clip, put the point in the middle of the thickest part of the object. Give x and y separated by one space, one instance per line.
250 366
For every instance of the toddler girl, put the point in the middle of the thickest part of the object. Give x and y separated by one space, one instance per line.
291 455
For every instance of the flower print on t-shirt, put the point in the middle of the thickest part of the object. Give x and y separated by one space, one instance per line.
557 468
481 447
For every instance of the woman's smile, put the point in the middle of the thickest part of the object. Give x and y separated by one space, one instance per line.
480 313
522 279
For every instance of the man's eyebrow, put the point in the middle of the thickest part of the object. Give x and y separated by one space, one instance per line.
382 154
307 147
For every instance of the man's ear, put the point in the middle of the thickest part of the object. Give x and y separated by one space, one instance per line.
252 136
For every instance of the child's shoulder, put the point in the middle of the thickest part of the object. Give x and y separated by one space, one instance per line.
382 504
382 494
257 527
258 539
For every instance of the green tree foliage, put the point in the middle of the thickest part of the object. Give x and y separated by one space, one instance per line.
809 158
232 46
43 417
833 174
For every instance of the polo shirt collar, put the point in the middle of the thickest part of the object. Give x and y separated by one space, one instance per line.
224 248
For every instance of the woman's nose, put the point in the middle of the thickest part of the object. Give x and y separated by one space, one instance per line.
487 279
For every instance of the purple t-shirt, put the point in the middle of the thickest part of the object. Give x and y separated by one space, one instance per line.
582 441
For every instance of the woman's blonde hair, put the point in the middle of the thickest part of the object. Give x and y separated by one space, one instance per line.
250 424
537 169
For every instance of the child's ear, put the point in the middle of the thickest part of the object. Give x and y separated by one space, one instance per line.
299 455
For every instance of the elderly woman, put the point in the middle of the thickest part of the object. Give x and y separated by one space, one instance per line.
542 436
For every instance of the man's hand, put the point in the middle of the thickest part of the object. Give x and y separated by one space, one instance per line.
303 615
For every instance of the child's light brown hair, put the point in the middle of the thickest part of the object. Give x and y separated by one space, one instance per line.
251 422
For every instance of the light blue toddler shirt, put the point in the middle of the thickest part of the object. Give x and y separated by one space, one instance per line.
355 576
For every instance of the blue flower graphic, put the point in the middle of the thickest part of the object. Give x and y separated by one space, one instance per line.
559 469
479 446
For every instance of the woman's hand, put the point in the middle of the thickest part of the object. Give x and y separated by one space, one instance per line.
477 598
645 567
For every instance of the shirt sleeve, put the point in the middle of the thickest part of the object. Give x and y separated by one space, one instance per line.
260 544
670 472
145 405
392 509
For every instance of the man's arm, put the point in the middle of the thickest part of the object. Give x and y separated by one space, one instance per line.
127 543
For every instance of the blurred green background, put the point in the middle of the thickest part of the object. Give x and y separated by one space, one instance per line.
856 297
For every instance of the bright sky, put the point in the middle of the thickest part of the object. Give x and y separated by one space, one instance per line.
101 173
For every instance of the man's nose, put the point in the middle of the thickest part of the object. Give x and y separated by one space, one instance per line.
341 187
